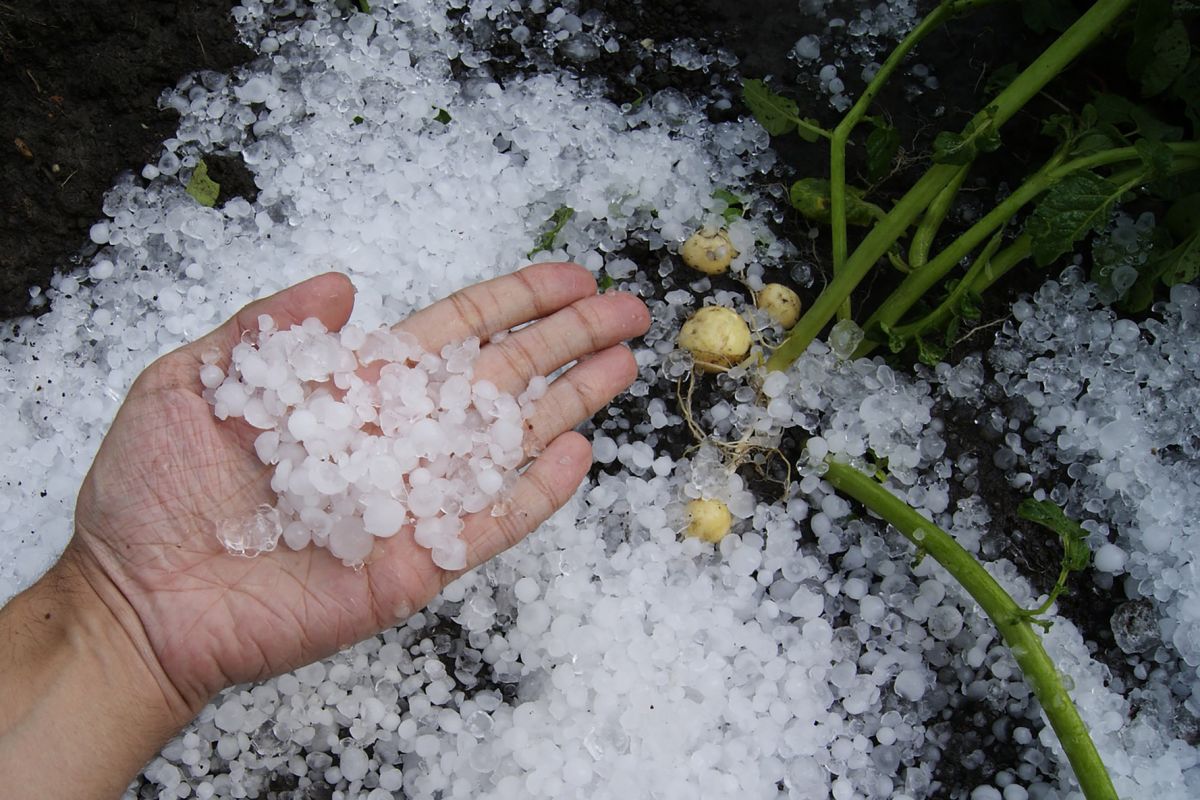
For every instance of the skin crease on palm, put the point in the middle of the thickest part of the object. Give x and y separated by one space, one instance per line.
168 472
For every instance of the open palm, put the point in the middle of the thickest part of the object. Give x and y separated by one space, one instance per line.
168 472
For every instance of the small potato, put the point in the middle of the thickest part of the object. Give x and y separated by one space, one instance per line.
709 520
708 251
716 337
780 303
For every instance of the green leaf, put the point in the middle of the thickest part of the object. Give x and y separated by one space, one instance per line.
1182 264
364 6
896 341
929 354
952 329
980 136
1068 211
970 305
442 116
1183 217
882 145
557 222
1148 23
1186 90
203 188
810 196
1060 127
1047 15
1156 157
1130 118
777 114
1000 78
606 282
1172 50
1076 553
734 205
358 120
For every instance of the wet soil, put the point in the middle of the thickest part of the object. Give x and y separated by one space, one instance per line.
79 89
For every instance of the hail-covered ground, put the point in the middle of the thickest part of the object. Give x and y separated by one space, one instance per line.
607 656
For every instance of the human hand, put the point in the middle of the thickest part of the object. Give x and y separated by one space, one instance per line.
168 472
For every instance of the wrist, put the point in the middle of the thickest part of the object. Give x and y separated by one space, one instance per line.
87 705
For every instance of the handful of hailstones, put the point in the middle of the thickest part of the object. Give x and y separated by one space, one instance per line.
368 433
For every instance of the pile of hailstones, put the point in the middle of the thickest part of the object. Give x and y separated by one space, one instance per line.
368 433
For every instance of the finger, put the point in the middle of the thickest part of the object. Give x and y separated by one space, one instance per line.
499 304
578 394
328 297
586 326
544 488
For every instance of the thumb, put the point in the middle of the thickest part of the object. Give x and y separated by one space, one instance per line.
328 297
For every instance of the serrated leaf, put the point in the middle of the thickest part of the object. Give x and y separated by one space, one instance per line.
777 114
810 196
882 145
1076 553
980 136
1068 211
1047 15
1172 50
203 188
929 354
1155 156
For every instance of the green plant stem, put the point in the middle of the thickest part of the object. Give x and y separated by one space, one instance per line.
931 221
918 282
983 273
945 309
841 134
1011 620
1050 63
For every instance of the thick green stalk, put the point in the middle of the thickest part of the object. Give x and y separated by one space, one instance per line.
986 270
841 134
918 282
1011 620
931 221
945 309
883 235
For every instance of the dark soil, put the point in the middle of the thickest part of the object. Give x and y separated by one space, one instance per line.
79 89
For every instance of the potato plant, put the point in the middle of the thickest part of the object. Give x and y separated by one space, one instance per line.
1110 151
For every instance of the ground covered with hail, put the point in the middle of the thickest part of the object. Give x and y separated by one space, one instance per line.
421 146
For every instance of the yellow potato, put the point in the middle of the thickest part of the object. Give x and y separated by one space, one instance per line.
780 303
708 251
708 520
716 337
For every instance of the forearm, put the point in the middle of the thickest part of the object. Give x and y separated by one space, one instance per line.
81 711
